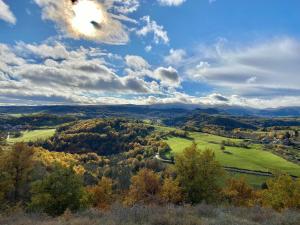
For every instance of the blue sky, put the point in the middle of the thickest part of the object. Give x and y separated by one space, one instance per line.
222 52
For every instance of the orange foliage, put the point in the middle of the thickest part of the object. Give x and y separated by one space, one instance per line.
102 194
239 193
144 188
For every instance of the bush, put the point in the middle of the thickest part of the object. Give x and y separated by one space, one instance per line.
60 190
144 188
283 192
239 193
102 194
171 192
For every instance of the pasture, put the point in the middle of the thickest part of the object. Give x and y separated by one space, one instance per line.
252 158
33 135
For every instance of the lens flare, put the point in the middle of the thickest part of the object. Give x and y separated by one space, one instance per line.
88 16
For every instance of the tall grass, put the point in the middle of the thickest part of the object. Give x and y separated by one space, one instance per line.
157 215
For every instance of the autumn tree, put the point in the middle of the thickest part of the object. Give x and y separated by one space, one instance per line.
15 169
60 190
144 188
5 184
282 192
239 193
198 173
102 194
171 192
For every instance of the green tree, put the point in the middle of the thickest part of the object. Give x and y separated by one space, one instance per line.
60 190
16 166
198 173
5 187
21 164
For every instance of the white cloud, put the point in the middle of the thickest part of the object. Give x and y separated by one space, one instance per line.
136 62
6 14
109 31
168 76
148 48
262 70
151 26
80 76
53 73
125 7
171 2
175 57
56 51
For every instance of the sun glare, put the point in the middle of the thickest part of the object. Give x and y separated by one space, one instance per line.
87 14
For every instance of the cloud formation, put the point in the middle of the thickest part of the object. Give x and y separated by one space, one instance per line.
171 2
78 75
175 57
136 62
6 14
107 30
63 75
259 70
158 31
168 76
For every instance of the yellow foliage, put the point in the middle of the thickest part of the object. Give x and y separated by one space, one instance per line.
64 159
283 192
171 192
239 193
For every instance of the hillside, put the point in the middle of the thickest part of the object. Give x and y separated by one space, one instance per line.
103 136
236 153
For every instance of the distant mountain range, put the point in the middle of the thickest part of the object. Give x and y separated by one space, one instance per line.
150 110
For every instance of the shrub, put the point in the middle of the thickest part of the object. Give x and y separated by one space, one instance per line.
102 194
239 193
60 190
144 188
171 192
282 192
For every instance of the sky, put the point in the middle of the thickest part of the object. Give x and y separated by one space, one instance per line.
202 52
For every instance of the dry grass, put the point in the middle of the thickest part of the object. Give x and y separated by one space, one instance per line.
156 215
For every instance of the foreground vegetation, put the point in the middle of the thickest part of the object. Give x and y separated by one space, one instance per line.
54 188
160 215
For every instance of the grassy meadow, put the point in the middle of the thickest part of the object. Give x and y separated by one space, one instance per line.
253 158
33 135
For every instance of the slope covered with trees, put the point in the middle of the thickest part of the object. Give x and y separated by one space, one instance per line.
103 136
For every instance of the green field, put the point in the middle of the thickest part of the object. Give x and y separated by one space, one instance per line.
253 180
253 158
33 135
